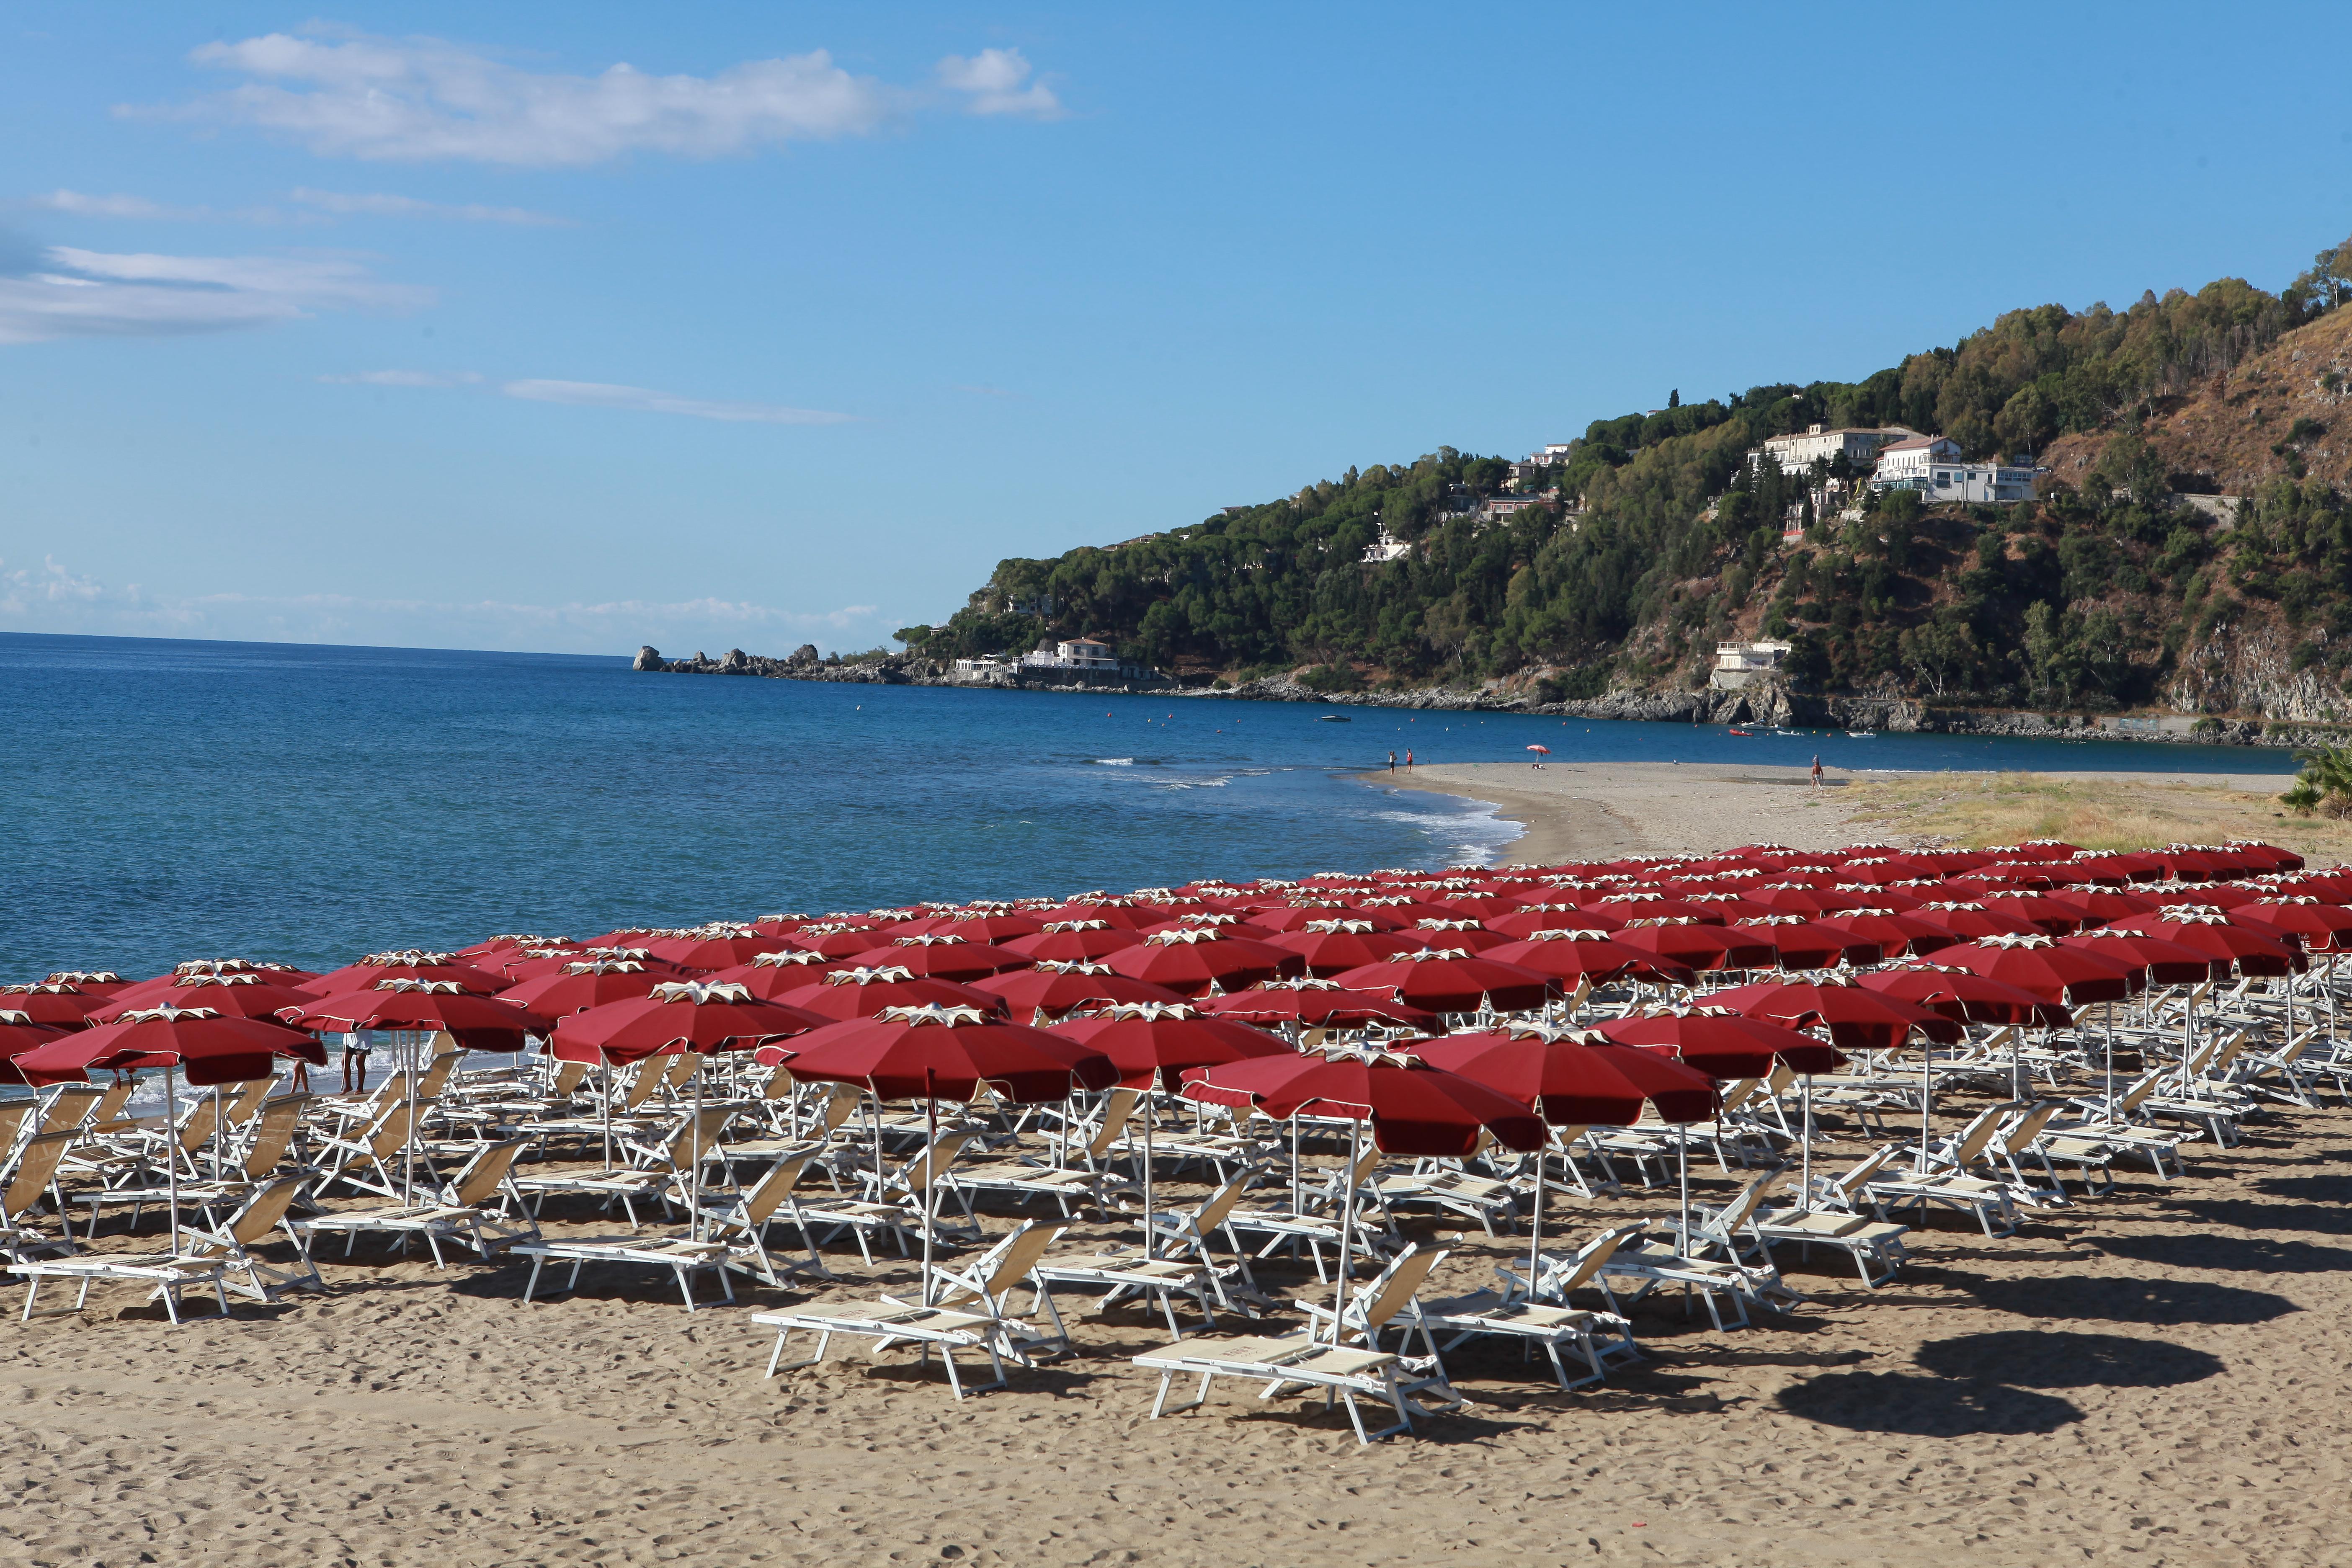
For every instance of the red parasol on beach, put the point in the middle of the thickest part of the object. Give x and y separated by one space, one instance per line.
772 974
576 987
1969 921
1569 956
1723 1043
932 1053
53 1005
1069 941
1573 1077
1052 989
1799 943
476 1023
709 951
1191 962
1894 934
868 993
944 957
243 996
1327 947
2218 937
1449 980
406 964
1151 1040
2164 962
2067 975
16 1039
1858 1019
1315 1004
1967 996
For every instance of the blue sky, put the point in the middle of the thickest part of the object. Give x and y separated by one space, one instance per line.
573 327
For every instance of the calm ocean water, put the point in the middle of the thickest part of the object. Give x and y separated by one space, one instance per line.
167 800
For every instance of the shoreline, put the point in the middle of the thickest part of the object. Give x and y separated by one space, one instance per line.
1579 811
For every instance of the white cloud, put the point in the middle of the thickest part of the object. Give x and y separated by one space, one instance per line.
82 205
417 99
377 205
404 378
992 81
311 206
53 598
92 293
600 394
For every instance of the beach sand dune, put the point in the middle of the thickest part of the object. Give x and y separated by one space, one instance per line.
2155 1378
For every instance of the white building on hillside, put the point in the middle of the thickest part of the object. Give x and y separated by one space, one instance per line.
1738 664
1931 464
1795 454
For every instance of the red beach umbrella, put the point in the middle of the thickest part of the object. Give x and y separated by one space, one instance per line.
1969 921
675 1017
1315 1004
97 982
230 996
2218 937
863 992
576 987
773 974
1799 943
2096 906
1068 941
1052 989
1722 1043
2163 962
1150 1039
408 965
1191 962
2324 928
1893 934
1967 996
2068 975
945 957
1524 922
476 1023
714 950
1327 947
210 1049
16 1039
53 1005
1569 956
1472 935
1858 1019
1448 980
1414 1107
934 1053
1571 1078
1695 946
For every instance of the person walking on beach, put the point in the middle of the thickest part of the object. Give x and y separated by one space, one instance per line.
1391 762
1817 773
1408 761
355 1056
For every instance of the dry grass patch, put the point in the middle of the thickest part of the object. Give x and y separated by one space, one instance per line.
2132 812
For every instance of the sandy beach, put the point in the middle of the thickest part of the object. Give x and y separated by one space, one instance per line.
2148 1379
1599 810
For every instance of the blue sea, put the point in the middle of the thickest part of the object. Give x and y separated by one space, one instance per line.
166 799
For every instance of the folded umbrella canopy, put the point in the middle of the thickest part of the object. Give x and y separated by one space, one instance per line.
1052 989
1316 1003
1449 980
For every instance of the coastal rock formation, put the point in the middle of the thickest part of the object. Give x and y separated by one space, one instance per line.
648 658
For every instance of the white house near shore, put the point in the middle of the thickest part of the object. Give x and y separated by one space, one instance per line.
1740 664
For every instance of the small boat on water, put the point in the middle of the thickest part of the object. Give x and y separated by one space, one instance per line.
1862 734
1335 719
1745 734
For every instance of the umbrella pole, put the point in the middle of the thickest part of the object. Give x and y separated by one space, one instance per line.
608 1114
171 1152
1535 1243
220 1131
1150 1114
694 1170
931 1140
1347 1228
1805 1192
416 1125
1294 1166
1682 1168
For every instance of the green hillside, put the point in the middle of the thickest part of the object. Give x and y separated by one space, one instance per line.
2099 595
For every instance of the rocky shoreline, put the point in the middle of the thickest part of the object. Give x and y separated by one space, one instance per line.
1768 706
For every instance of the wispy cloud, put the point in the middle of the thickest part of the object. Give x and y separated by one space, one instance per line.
992 81
641 399
80 203
378 204
404 378
310 207
88 293
52 597
417 99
